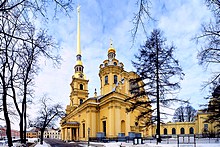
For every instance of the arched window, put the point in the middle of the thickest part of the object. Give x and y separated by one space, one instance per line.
81 86
106 79
115 63
173 131
115 79
182 131
165 131
191 130
122 126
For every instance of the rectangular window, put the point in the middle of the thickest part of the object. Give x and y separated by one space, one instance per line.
104 127
84 130
80 101
106 79
205 127
115 79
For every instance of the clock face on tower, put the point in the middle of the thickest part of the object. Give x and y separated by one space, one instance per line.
81 75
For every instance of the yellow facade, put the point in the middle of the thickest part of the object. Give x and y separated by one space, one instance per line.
30 134
198 126
105 113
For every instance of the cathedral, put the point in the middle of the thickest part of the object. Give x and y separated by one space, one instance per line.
105 115
102 115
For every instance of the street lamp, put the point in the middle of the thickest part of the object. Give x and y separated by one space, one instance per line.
1 133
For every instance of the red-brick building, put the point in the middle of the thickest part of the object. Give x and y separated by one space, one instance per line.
14 133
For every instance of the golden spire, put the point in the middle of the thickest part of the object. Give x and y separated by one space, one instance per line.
78 32
79 66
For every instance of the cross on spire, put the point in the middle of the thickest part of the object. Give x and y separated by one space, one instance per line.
111 43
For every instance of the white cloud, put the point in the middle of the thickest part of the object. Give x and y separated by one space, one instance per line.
102 20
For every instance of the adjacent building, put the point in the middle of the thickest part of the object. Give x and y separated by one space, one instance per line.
32 132
14 133
199 127
48 133
51 133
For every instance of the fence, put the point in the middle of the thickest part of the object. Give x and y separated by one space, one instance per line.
186 139
174 139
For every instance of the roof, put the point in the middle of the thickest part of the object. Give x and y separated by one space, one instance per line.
72 123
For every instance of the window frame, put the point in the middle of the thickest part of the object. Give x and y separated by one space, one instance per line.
115 79
173 131
182 131
106 79
81 86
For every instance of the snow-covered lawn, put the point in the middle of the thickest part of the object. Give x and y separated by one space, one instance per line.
32 139
35 140
123 144
201 143
42 145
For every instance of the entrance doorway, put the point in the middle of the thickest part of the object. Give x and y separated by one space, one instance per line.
104 127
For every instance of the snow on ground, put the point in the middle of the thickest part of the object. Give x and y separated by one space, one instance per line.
42 145
32 139
122 144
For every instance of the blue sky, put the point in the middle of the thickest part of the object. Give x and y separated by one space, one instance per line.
103 19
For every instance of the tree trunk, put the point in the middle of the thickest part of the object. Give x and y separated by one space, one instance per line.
158 93
41 136
7 120
25 122
22 124
21 129
24 114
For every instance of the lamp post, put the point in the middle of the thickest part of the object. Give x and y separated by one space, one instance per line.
88 135
1 133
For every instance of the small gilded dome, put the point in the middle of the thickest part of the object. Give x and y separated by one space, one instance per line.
111 49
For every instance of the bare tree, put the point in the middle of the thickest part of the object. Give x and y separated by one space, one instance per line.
37 6
157 67
184 114
47 115
140 16
209 55
179 114
21 47
190 113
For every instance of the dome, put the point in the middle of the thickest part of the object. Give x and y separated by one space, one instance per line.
111 50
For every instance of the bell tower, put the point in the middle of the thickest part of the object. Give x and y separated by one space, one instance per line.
110 72
79 85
